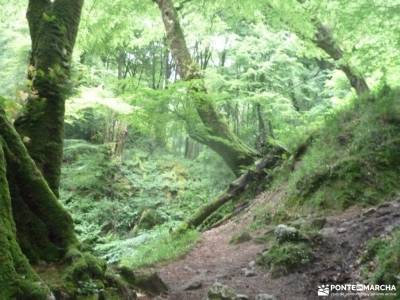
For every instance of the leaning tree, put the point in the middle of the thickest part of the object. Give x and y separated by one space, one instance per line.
211 130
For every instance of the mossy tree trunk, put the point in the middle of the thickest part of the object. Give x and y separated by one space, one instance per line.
53 28
324 40
35 227
44 229
14 267
32 225
213 130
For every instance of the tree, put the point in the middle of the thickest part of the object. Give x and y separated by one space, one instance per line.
213 130
322 36
38 229
34 225
324 40
53 29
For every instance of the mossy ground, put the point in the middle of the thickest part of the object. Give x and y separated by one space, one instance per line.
284 258
83 276
381 261
353 159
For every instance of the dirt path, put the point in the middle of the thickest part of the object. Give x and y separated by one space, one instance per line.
214 259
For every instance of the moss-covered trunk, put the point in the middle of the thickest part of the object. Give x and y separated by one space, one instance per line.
44 229
17 278
213 130
53 29
324 40
34 228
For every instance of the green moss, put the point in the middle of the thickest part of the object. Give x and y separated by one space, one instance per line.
284 258
44 228
147 281
241 237
17 278
381 260
86 267
31 290
353 159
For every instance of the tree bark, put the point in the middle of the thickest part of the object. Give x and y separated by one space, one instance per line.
15 271
44 229
53 27
33 225
324 40
213 130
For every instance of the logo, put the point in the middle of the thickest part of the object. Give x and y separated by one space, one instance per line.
357 289
323 290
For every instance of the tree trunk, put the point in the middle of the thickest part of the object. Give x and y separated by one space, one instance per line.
213 130
44 229
53 27
324 40
261 139
16 275
33 223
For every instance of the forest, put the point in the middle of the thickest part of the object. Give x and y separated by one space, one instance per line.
199 150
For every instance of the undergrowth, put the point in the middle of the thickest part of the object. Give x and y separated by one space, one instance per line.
381 261
163 247
353 159
124 206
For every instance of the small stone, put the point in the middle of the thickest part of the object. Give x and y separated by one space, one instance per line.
383 205
389 228
284 233
265 297
383 212
189 269
329 231
318 223
219 291
249 273
341 230
241 238
369 212
193 285
242 297
252 264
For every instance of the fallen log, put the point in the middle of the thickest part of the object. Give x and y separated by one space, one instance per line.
269 162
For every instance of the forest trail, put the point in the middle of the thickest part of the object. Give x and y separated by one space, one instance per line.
339 245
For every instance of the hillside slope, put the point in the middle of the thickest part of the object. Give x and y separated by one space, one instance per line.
331 216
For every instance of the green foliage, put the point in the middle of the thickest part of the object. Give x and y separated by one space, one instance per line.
109 198
263 74
14 50
163 247
353 158
381 260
